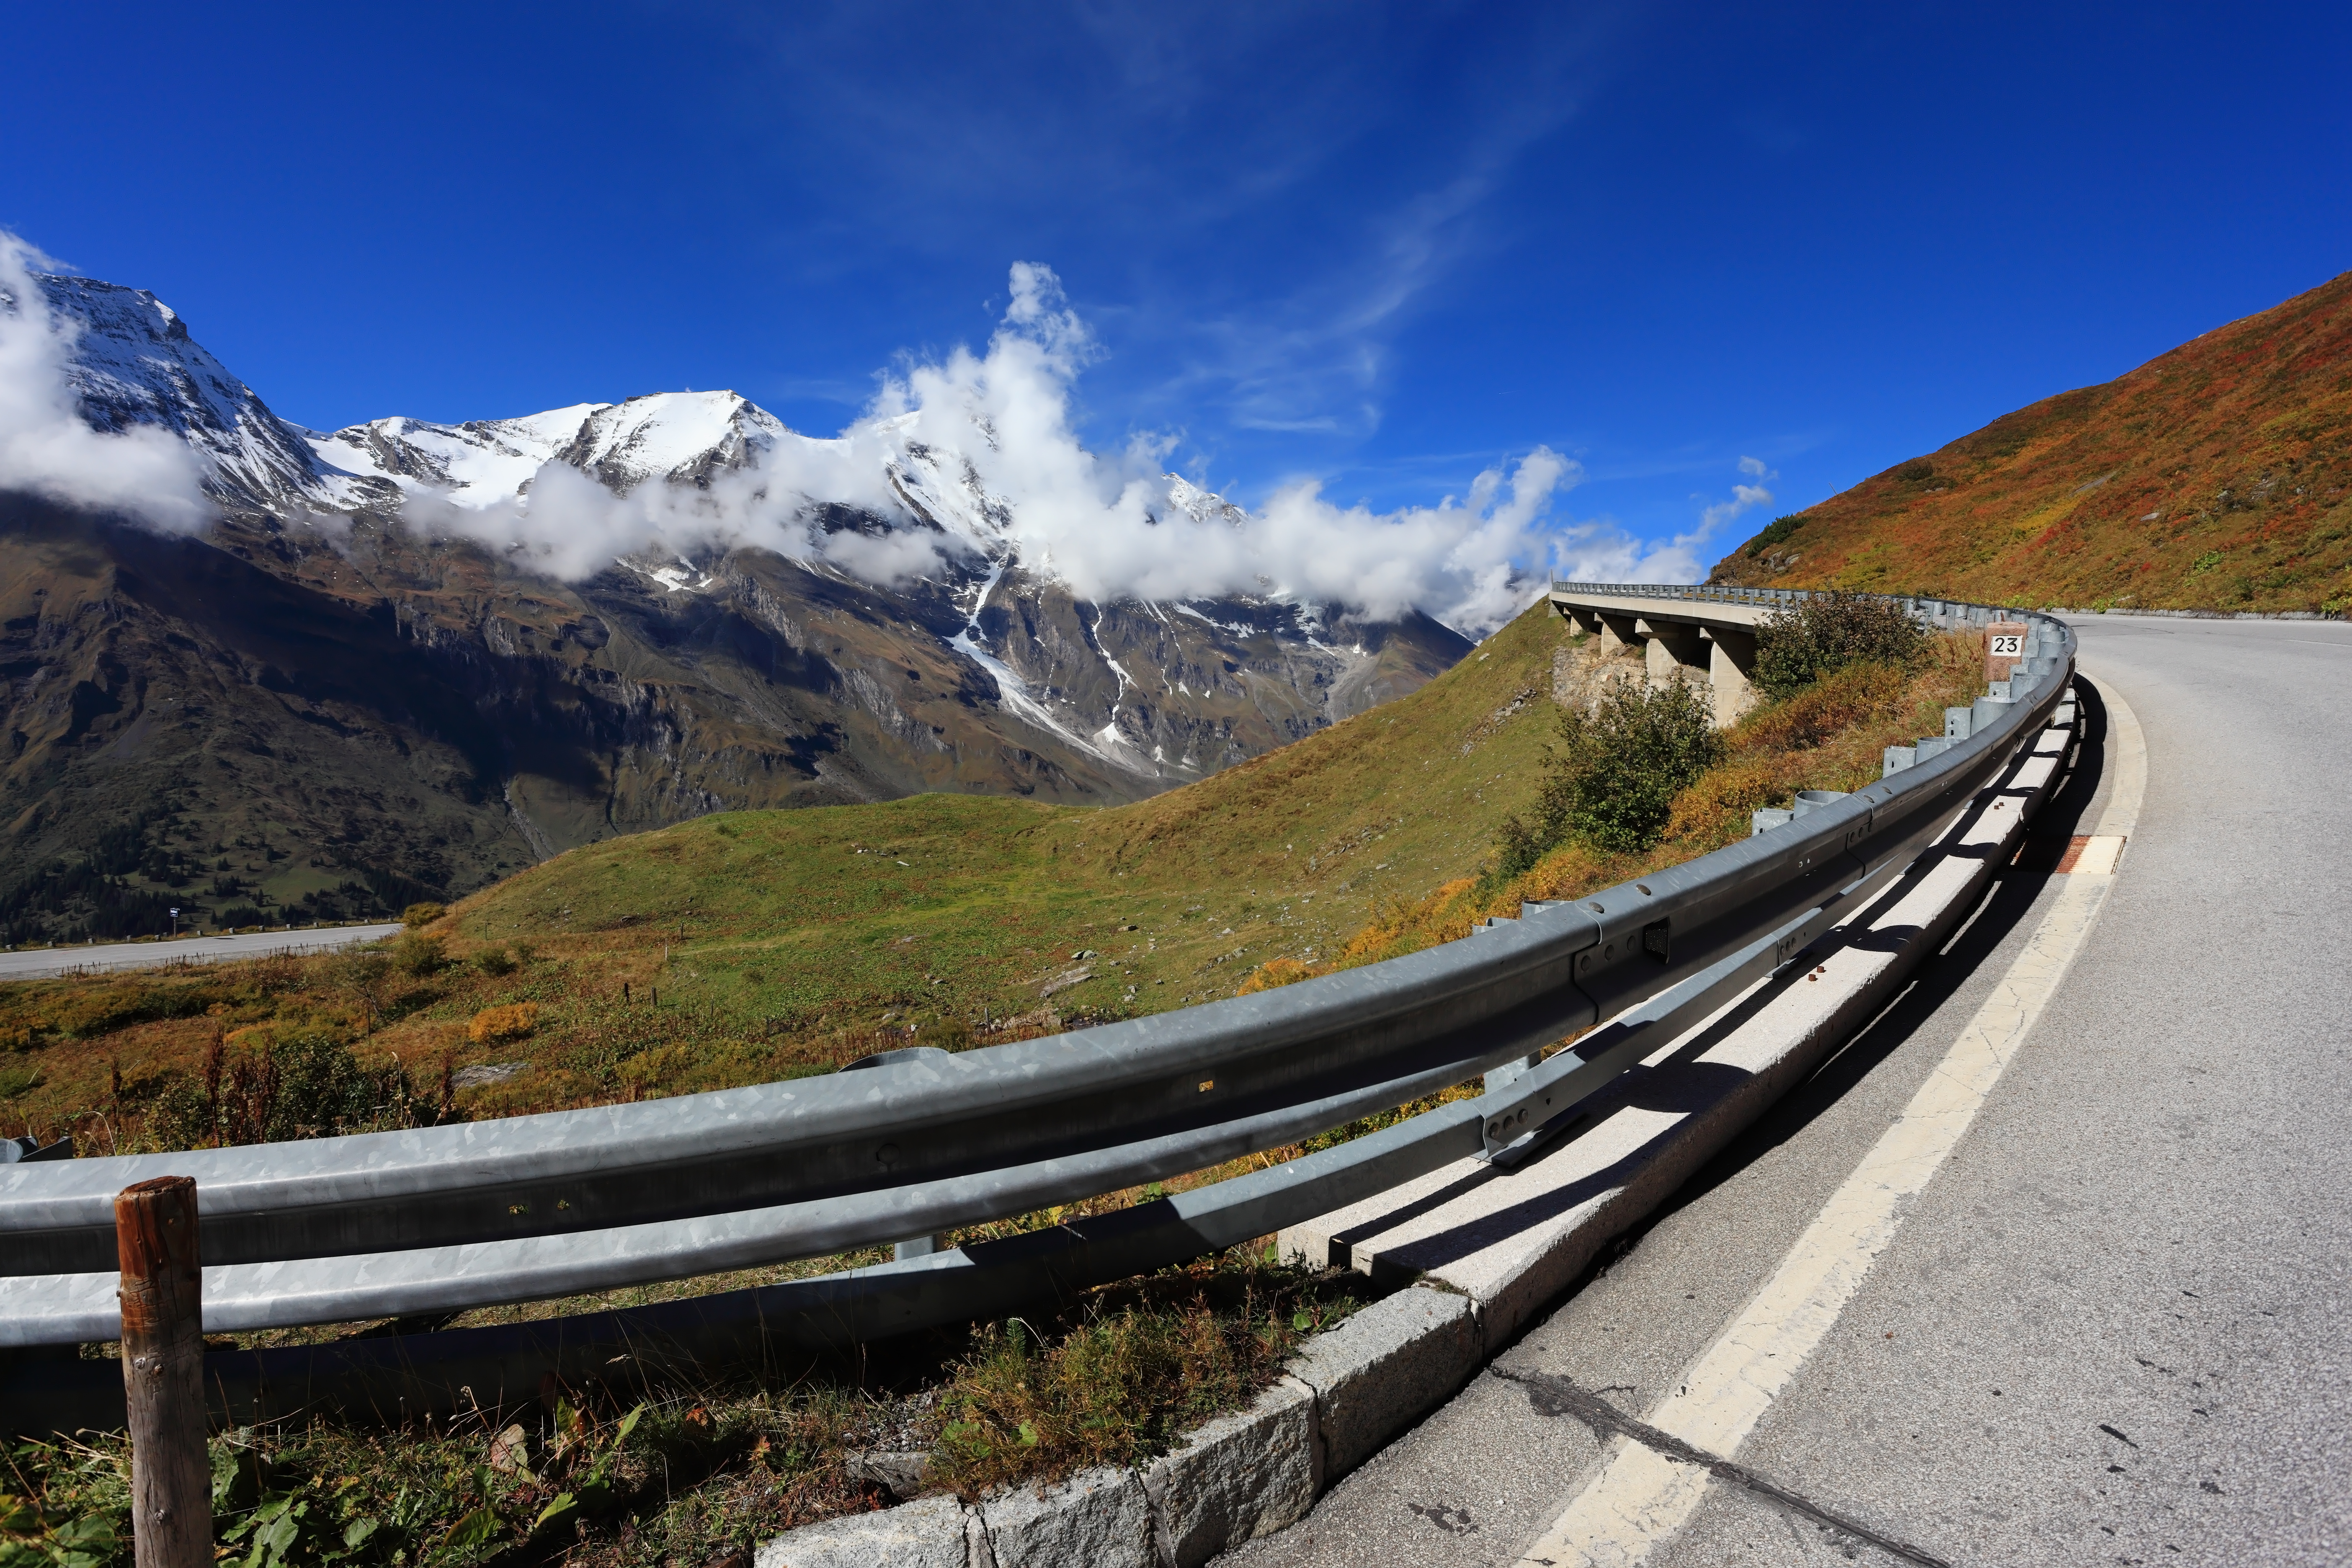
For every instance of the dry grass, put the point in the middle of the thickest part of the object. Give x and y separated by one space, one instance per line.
607 1477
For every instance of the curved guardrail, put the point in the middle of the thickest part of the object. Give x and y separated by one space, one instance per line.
436 1220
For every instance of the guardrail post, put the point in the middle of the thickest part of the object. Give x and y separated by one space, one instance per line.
164 1373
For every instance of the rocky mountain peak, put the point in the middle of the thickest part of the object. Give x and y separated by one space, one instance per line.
133 362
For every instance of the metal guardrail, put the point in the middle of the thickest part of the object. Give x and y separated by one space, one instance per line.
436 1220
1941 610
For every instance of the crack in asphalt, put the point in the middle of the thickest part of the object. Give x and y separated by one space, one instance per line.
1553 1396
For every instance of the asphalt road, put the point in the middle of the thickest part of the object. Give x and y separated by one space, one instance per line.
2117 1326
34 963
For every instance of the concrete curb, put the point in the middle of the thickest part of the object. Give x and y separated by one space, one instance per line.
1484 1248
1239 1477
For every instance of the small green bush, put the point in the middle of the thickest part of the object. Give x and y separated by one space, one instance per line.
417 955
308 1086
495 962
1779 528
416 915
1822 634
1613 775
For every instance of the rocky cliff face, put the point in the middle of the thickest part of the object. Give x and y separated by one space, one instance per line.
327 705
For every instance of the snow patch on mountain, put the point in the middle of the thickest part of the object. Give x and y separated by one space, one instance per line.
479 464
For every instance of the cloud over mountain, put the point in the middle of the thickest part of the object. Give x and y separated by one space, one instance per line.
960 464
47 445
983 446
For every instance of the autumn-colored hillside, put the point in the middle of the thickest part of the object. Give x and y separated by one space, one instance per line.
2218 476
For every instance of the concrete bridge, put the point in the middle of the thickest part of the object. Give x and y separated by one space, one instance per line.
1707 642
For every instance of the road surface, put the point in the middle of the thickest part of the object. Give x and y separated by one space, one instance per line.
2115 1326
33 962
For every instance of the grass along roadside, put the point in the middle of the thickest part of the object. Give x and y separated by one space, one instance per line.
749 947
612 1474
1829 734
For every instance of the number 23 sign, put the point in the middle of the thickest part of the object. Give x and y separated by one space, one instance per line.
2004 646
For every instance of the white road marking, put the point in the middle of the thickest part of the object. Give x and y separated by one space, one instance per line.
2131 767
1641 1498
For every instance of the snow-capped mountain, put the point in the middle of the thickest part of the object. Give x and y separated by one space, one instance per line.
678 438
132 363
542 713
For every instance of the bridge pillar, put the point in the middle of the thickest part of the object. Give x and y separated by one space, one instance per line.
1731 662
1617 631
1583 620
1676 651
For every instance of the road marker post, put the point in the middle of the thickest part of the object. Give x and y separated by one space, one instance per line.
2004 648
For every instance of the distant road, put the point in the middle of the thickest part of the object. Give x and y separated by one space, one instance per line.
48 960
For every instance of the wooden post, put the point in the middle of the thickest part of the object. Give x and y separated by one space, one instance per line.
164 1373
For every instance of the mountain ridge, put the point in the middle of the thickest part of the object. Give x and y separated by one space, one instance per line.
2216 476
345 671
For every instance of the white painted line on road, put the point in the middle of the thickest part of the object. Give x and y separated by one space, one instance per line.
2130 761
1642 1498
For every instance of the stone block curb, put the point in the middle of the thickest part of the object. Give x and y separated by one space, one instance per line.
926 1534
1383 1369
1237 1477
1100 1518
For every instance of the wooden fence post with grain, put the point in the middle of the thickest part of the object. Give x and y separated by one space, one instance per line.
164 1373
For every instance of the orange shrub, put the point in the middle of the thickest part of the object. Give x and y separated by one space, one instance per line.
509 1023
1277 971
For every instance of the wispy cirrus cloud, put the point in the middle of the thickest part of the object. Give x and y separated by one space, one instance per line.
1745 498
1286 209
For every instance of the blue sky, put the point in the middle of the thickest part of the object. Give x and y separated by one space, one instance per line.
1384 246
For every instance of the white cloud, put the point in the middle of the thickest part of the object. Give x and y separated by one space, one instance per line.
1744 497
1601 552
998 432
47 446
1109 524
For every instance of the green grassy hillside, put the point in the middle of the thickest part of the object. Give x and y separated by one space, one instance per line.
750 945
800 939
